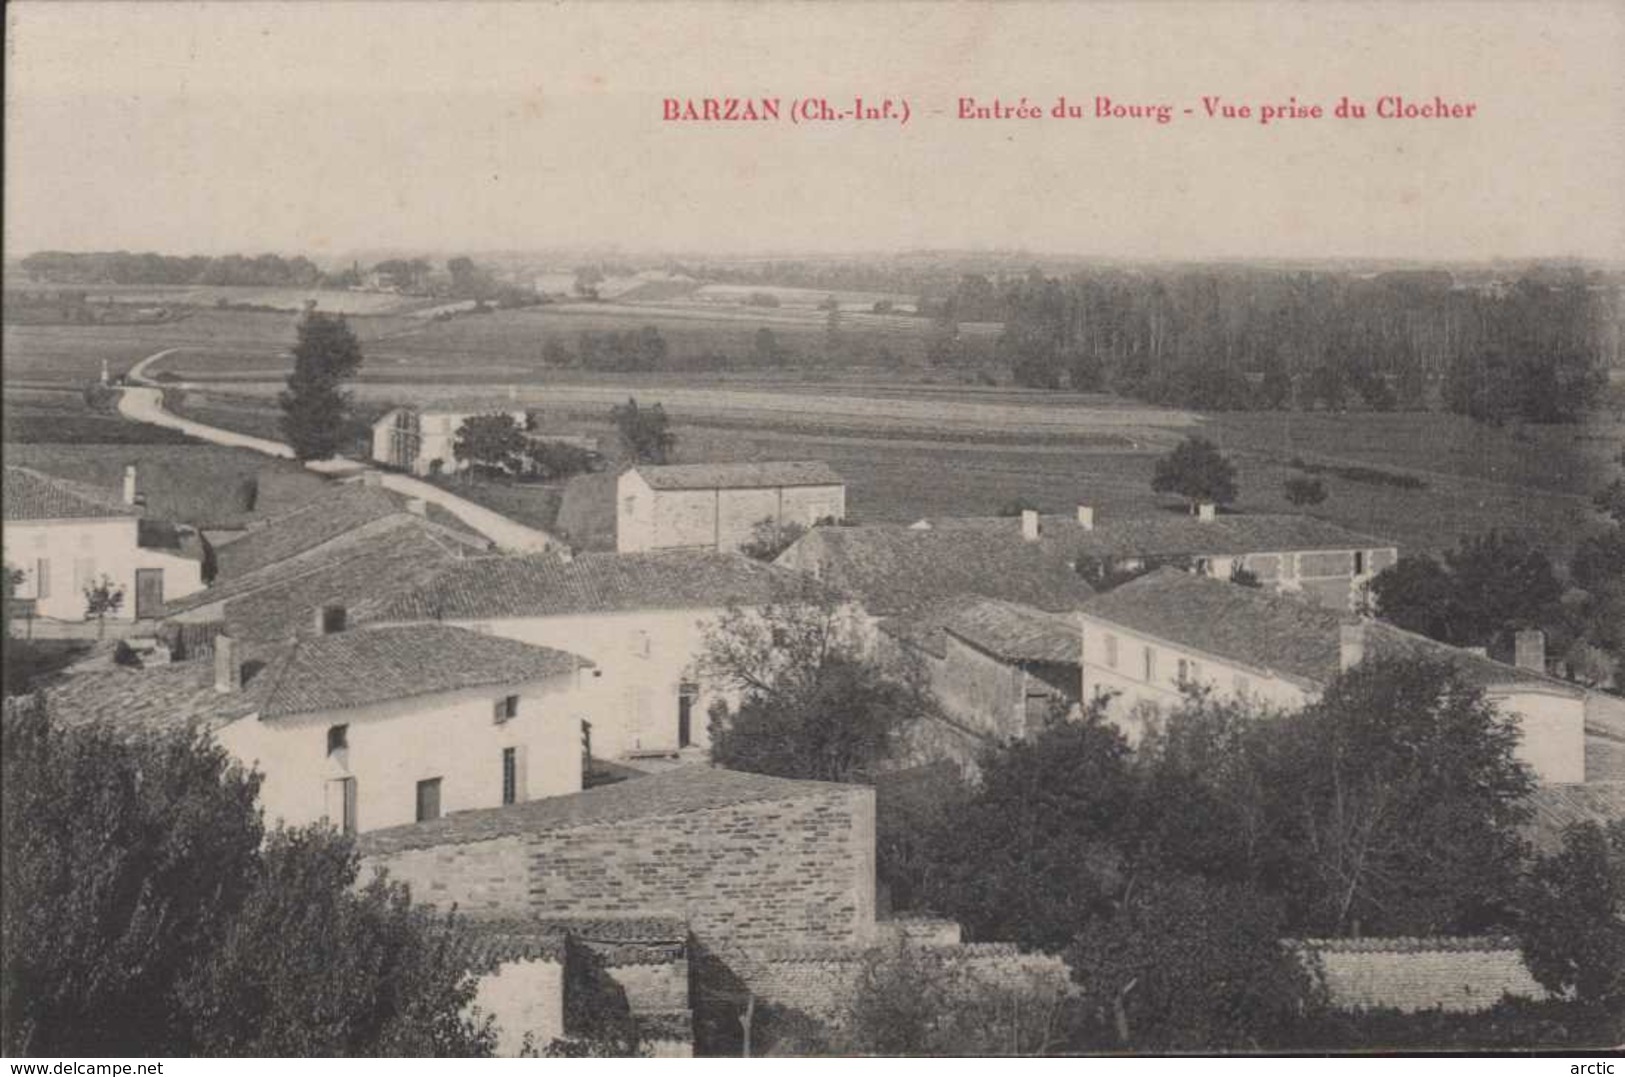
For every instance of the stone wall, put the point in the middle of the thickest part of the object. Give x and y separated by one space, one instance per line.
1462 975
524 996
761 873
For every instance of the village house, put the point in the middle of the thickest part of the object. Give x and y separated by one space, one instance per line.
641 618
420 440
1148 640
717 506
1299 555
276 599
899 572
367 728
64 536
998 669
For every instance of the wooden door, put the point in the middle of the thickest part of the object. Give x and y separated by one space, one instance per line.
149 593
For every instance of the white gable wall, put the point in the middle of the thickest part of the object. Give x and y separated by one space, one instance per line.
392 746
74 552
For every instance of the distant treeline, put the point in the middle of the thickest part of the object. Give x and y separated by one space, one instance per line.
124 267
1532 349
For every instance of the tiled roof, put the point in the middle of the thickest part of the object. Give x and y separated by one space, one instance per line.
382 559
1410 944
1265 630
363 666
33 495
682 790
545 585
1006 630
348 669
159 699
490 943
399 540
897 571
740 476
342 508
1557 807
1171 534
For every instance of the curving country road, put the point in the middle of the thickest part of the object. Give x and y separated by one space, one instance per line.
143 401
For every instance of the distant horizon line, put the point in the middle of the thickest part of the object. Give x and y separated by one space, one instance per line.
603 251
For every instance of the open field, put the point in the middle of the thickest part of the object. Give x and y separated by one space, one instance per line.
74 354
61 415
289 299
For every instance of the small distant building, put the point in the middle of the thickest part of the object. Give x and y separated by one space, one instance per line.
1145 642
420 440
1299 555
367 728
717 506
64 536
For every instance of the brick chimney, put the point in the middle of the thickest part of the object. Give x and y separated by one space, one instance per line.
1086 517
1350 646
1529 650
228 668
1029 525
1205 511
129 484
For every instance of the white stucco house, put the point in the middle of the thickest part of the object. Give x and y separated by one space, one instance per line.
63 536
716 506
420 440
366 728
641 619
1145 641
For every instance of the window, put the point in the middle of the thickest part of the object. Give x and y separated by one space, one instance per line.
42 578
1150 665
504 709
1204 567
338 738
640 644
1184 671
1111 651
1195 671
1359 562
428 799
510 775
334 619
84 572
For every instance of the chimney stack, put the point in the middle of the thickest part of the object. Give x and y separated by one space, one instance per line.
1086 517
1350 646
1029 525
1529 650
129 484
417 506
1205 511
228 671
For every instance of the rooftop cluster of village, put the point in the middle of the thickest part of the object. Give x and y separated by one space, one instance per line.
527 736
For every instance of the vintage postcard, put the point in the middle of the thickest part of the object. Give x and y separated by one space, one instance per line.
584 530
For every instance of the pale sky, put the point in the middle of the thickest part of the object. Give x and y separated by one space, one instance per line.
324 127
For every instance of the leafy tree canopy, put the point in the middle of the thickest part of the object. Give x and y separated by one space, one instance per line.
1196 471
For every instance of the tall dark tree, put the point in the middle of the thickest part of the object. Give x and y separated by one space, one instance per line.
645 433
1197 471
493 442
145 912
1573 916
1397 798
1037 851
316 411
813 703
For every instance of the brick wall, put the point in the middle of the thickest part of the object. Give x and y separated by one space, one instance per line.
1462 975
481 878
760 873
